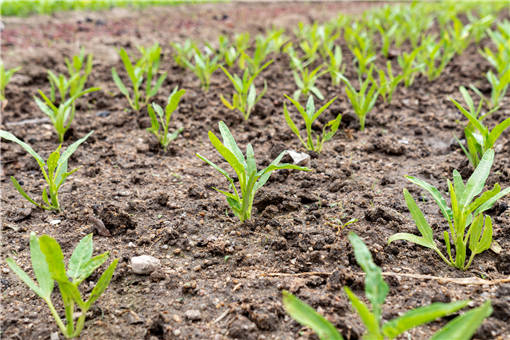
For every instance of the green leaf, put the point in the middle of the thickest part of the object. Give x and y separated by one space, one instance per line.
231 144
307 316
478 245
10 137
412 238
376 289
497 131
54 257
291 124
119 83
419 219
81 255
88 268
476 182
464 326
490 202
420 316
23 193
72 148
25 278
102 284
40 266
436 195
368 318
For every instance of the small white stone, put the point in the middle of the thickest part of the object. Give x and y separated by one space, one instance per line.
298 157
54 222
193 315
54 336
144 264
131 245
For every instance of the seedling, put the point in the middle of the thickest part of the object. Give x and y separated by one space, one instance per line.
433 51
263 47
5 77
409 66
310 115
49 266
62 116
364 56
54 171
387 83
465 217
387 37
335 66
164 137
460 35
205 65
305 81
479 138
250 180
499 86
183 52
147 66
245 98
376 290
362 101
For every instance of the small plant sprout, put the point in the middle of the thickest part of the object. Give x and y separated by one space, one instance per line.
245 98
250 180
263 47
49 266
305 81
387 37
54 171
479 138
465 217
310 115
387 82
5 77
364 56
62 116
205 65
376 290
499 86
335 66
407 62
435 55
183 52
362 101
147 66
164 137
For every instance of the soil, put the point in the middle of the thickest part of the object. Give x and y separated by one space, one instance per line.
220 279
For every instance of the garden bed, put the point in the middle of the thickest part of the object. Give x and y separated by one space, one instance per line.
220 279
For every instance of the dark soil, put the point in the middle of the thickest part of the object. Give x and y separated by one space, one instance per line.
217 279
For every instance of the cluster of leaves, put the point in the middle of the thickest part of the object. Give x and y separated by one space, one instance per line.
48 266
160 130
146 68
54 170
5 77
468 226
376 290
61 111
250 180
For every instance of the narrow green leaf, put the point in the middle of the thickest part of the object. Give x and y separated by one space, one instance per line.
102 284
436 195
81 255
54 257
367 317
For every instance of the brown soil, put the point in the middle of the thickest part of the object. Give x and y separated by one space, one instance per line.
162 204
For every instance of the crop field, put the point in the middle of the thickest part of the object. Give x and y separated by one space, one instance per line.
255 170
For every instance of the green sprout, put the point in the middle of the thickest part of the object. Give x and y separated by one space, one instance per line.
310 115
146 67
362 101
465 217
387 83
479 138
5 77
435 55
49 266
263 47
376 290
54 171
335 66
245 98
250 180
164 137
407 62
205 65
183 52
499 86
305 81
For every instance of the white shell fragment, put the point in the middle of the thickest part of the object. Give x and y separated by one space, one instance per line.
144 264
298 158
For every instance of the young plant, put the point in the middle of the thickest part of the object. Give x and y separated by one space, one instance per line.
376 290
387 37
205 65
310 115
62 116
183 52
435 55
499 86
164 137
362 101
305 81
335 66
250 180
263 47
245 98
465 217
364 56
49 266
387 83
146 67
479 138
5 77
407 62
54 171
